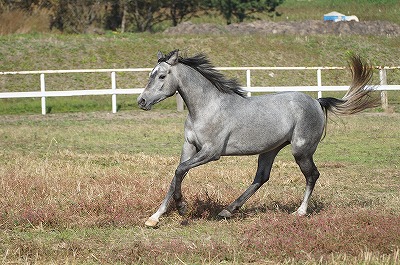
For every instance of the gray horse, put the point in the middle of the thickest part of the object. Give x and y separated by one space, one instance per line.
222 121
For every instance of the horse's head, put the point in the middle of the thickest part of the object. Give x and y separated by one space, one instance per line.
162 83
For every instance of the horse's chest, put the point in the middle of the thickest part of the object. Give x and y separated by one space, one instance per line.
200 134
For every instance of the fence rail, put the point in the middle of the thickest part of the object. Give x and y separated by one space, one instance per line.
114 91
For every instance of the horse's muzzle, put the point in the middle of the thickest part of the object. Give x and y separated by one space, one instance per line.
143 104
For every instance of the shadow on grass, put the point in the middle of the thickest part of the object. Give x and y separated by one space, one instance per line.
208 208
315 206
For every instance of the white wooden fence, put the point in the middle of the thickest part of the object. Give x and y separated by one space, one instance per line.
113 91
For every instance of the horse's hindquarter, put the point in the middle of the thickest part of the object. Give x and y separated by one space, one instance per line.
262 123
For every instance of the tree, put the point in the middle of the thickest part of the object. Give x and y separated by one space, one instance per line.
241 9
77 16
24 5
115 15
145 13
181 9
142 15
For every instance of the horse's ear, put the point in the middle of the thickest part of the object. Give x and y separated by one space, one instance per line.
160 55
173 59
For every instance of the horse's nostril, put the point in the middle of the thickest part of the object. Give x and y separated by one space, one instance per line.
142 102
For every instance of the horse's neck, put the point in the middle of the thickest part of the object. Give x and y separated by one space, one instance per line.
199 94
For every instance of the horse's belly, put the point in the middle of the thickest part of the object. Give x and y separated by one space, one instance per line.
252 145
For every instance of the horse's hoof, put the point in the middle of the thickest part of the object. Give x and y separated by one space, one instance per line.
150 223
182 208
299 213
225 214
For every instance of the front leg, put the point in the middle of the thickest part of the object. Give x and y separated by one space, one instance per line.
206 154
154 219
188 151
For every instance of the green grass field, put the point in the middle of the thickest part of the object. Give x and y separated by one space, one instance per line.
139 50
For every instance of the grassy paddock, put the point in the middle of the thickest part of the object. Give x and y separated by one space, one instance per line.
77 188
26 52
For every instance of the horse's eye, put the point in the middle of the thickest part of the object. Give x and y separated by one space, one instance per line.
162 76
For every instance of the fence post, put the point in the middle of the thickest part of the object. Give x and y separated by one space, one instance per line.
248 81
43 90
113 96
384 95
319 82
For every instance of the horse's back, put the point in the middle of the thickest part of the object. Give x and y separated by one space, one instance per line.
296 104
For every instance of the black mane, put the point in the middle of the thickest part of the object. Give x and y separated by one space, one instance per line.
203 65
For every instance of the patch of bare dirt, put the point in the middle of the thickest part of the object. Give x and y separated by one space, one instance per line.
310 27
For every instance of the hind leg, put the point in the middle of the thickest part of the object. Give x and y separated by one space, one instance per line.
263 171
311 174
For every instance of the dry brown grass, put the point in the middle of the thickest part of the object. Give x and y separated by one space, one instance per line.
116 193
21 22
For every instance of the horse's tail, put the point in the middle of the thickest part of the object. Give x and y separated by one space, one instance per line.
358 97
